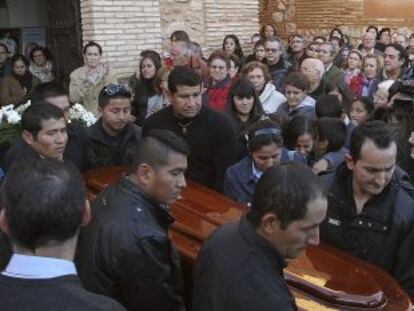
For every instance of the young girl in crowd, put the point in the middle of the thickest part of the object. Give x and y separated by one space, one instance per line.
142 83
159 101
231 44
235 66
265 145
244 108
329 150
298 102
259 75
259 52
361 110
298 134
352 72
267 31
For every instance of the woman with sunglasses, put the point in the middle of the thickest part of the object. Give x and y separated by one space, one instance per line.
87 81
265 146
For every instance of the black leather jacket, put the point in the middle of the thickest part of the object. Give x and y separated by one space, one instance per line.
125 252
383 233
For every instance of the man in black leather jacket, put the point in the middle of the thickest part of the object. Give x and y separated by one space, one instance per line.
125 252
371 205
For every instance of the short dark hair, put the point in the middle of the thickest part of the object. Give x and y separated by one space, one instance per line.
156 147
373 27
43 200
295 128
46 90
180 35
402 55
92 43
183 76
34 115
263 133
39 48
20 57
297 80
333 130
376 131
367 102
219 54
113 91
285 190
384 29
328 106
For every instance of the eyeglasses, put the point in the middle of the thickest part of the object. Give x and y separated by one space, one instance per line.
116 89
272 50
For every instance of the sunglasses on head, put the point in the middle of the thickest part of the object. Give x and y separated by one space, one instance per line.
115 89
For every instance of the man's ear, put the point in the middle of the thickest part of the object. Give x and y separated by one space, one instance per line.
144 173
86 214
268 223
349 161
4 223
28 137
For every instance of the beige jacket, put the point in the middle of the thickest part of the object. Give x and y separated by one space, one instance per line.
85 92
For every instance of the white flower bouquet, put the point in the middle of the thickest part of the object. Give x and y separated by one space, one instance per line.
10 119
80 115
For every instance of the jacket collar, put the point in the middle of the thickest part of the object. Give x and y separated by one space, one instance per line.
262 245
96 132
379 207
158 210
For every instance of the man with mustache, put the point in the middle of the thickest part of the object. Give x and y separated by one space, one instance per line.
371 205
210 134
125 252
113 139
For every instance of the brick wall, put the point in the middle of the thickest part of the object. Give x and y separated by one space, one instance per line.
208 21
311 17
123 28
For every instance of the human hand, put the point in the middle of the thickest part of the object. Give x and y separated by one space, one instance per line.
321 166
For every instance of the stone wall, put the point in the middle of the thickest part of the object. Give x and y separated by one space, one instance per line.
123 28
208 21
310 17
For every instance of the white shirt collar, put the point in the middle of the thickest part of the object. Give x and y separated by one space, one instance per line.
37 267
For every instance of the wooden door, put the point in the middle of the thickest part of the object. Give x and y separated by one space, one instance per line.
65 36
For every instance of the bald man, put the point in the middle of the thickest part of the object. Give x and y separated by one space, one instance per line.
314 70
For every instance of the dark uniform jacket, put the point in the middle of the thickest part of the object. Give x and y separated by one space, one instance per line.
63 293
125 252
239 270
383 233
75 149
105 150
212 140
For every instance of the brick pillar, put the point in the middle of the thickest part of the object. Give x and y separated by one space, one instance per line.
123 28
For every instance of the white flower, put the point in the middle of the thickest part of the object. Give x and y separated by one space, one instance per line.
78 112
13 117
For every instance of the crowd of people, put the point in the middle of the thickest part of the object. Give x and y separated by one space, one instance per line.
315 137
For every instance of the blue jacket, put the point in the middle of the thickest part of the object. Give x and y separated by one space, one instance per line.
239 182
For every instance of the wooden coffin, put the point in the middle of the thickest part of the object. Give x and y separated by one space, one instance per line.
321 278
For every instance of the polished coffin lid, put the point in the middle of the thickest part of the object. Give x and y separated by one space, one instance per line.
321 278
